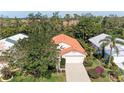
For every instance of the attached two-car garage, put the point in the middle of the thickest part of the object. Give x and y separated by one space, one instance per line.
74 57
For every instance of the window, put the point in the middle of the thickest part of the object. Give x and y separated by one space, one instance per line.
10 40
62 47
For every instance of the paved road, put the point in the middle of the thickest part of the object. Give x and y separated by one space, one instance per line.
76 72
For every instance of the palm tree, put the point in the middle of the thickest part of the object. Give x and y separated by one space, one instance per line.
17 22
102 46
76 16
67 17
110 41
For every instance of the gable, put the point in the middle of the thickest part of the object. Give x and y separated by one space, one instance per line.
63 46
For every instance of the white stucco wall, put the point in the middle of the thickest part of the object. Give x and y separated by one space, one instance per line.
120 65
74 57
119 61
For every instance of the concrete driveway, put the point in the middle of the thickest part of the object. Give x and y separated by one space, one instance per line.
76 72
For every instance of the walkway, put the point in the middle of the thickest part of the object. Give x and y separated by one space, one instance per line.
76 72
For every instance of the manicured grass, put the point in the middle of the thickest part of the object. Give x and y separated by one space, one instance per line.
60 77
56 77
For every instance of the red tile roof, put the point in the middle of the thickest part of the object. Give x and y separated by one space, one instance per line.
75 46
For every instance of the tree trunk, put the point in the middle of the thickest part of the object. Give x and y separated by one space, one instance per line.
58 64
99 52
110 55
103 51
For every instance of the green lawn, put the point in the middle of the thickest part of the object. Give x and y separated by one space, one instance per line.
60 77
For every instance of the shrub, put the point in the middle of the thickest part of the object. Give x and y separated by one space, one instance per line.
62 64
106 59
97 55
120 78
18 73
113 66
103 75
6 73
92 73
99 70
88 62
119 72
105 66
36 73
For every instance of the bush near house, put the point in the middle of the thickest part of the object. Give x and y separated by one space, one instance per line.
6 73
96 72
99 70
88 62
103 75
92 73
113 66
62 63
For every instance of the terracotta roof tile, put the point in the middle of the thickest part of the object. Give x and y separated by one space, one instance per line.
75 46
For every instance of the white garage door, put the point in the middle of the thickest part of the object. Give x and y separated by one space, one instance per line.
74 57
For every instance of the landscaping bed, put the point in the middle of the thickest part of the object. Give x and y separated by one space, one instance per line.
94 76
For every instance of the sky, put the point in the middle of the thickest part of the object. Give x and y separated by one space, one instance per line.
22 14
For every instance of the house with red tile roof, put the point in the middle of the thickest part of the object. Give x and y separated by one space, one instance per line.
70 48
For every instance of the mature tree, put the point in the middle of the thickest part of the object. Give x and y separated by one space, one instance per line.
102 46
111 42
67 17
17 22
88 26
38 55
104 22
76 16
38 15
1 21
31 18
56 23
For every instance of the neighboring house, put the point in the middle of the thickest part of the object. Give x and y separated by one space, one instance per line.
119 60
70 49
9 42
